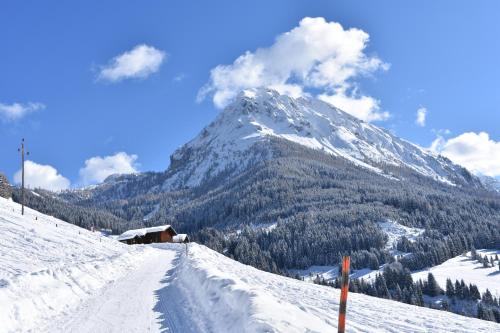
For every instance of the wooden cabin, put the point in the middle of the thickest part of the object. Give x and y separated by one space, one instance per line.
159 234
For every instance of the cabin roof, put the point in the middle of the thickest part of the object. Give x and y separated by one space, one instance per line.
179 238
129 234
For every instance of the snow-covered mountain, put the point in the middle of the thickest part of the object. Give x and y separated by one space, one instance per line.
56 277
237 137
490 183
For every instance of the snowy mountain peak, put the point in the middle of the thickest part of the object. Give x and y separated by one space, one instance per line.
228 144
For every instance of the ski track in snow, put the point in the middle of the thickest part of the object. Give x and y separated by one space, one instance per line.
136 303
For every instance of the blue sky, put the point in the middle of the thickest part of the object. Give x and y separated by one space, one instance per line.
440 56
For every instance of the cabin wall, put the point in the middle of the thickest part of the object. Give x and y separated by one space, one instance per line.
166 237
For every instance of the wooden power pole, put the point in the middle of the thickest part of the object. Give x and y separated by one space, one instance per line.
21 150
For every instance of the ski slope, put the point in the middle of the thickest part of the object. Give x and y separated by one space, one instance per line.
65 279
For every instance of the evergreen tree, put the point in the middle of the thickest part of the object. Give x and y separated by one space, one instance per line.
473 253
480 311
450 290
5 189
487 297
486 263
458 289
432 287
474 292
398 294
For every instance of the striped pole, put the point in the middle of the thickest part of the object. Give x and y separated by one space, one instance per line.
343 294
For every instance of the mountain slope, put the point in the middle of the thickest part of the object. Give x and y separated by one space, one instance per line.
62 278
321 179
241 137
225 146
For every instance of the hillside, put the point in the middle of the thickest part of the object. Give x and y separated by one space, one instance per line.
63 278
48 266
471 271
303 183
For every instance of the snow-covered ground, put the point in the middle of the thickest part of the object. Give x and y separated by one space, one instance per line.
471 271
396 231
48 266
65 279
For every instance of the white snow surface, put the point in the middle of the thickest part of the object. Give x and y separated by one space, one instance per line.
47 266
259 114
179 238
63 279
471 271
396 231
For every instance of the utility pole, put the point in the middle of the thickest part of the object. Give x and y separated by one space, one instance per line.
21 150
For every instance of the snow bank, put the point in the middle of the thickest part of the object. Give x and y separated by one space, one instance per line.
225 291
227 296
48 266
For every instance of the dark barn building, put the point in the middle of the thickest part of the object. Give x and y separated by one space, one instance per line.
159 234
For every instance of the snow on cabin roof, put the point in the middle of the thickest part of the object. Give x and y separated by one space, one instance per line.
129 234
179 238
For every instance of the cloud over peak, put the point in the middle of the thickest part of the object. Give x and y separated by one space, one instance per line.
316 55
140 62
475 151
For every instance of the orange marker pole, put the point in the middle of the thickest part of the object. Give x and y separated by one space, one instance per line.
343 294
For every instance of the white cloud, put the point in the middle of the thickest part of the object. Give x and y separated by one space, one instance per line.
15 111
363 107
140 62
41 176
97 168
475 151
316 55
421 116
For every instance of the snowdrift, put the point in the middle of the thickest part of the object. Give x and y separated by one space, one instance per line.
240 298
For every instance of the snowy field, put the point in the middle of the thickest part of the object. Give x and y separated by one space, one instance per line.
65 279
396 231
471 271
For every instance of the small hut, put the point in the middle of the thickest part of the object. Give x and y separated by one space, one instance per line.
181 238
159 234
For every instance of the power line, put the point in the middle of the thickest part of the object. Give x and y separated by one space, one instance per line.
21 150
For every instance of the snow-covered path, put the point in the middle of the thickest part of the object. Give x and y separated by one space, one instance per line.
134 303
